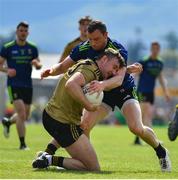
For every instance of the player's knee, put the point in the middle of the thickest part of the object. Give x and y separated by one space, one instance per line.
93 167
137 130
22 116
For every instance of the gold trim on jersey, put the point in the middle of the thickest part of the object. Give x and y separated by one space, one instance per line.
74 131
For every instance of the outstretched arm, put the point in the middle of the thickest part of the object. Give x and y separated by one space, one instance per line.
57 69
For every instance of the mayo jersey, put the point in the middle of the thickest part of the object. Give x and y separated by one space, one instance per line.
151 70
85 50
20 58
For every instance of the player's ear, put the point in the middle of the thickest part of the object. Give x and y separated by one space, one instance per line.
106 34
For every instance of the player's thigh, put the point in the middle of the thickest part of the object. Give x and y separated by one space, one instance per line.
83 151
132 112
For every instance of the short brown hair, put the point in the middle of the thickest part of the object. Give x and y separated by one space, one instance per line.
85 18
23 24
155 43
97 25
112 53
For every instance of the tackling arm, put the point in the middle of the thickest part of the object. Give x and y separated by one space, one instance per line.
117 80
134 68
57 69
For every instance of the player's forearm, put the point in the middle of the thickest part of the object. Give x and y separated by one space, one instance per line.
57 69
115 81
77 94
164 87
163 84
112 82
134 68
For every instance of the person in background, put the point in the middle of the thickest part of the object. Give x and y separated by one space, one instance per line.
20 55
152 70
83 24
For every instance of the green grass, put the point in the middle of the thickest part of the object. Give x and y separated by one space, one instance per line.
118 157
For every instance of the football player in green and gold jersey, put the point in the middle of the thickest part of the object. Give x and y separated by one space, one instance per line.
62 114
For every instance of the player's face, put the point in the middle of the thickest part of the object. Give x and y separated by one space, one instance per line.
22 33
155 50
109 67
83 28
98 40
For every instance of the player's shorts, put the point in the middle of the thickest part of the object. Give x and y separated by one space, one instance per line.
146 97
64 134
117 96
23 93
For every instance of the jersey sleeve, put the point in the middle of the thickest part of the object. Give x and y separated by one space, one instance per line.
35 53
76 54
4 52
88 74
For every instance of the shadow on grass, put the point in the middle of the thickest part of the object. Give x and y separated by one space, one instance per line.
61 170
10 148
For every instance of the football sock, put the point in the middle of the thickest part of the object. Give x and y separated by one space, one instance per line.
160 151
57 161
51 149
22 141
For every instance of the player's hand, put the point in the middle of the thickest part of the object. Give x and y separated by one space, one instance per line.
11 72
135 68
167 97
96 86
36 63
47 72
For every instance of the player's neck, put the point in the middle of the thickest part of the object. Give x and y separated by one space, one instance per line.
83 38
20 42
153 57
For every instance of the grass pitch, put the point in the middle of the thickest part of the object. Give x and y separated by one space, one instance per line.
118 157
